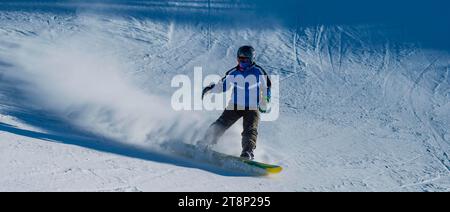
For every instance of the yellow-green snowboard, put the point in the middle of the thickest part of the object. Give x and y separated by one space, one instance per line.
222 160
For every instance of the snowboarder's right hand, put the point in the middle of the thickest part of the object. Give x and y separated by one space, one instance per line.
207 89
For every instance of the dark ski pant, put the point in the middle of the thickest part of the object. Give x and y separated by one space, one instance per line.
228 118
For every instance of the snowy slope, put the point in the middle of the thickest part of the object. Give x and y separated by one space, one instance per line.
85 98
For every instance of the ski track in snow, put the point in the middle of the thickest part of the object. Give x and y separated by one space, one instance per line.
356 115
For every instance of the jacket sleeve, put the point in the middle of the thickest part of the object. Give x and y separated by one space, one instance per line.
224 84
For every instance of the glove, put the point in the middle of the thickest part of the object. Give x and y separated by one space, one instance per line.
264 105
207 89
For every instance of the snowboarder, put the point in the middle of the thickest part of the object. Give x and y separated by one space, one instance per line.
248 107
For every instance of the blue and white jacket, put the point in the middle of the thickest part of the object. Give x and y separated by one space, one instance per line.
250 86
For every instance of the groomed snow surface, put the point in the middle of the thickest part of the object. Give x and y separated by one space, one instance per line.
85 100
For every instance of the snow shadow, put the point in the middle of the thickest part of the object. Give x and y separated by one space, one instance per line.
60 132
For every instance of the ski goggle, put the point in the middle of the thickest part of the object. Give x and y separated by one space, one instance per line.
243 59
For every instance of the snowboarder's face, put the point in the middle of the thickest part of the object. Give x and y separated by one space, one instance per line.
244 62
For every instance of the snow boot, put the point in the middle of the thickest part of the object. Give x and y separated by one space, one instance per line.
247 155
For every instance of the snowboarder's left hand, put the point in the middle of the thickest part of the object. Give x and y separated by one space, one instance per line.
264 106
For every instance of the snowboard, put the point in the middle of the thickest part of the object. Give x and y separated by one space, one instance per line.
267 168
222 160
